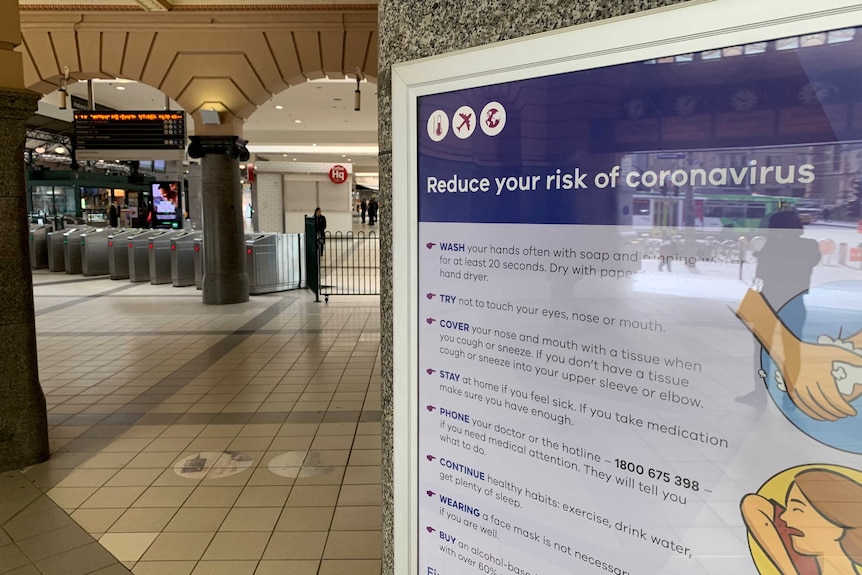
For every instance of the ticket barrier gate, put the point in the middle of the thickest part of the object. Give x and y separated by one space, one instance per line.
56 253
273 262
183 259
199 262
72 250
139 256
94 252
160 256
39 246
118 253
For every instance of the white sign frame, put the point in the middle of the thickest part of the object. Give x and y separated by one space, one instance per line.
692 27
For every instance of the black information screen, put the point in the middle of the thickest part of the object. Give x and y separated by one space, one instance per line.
95 130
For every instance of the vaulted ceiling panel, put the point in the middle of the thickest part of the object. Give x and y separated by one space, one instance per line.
257 51
66 50
137 52
332 49
234 67
113 48
218 90
308 50
355 48
90 52
42 51
284 52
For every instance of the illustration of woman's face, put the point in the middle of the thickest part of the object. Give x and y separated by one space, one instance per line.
812 533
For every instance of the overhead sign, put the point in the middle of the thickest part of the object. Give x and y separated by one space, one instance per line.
338 174
130 135
585 385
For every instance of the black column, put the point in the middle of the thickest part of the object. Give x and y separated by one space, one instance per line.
225 280
23 416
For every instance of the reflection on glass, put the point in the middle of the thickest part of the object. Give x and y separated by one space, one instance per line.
787 43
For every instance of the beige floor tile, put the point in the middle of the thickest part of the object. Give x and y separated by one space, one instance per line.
153 460
128 445
360 495
250 444
96 520
251 519
170 478
358 518
365 475
337 429
332 442
108 461
71 497
113 497
365 457
354 545
354 567
367 442
313 496
239 546
133 478
164 497
178 547
213 496
168 444
197 519
143 520
164 567
305 519
225 568
298 430
263 476
288 568
291 443
263 496
295 545
127 546
87 478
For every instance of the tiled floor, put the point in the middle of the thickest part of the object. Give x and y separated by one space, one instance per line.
200 440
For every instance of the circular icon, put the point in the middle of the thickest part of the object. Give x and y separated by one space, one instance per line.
338 174
806 511
464 122
438 125
298 464
493 118
213 464
827 315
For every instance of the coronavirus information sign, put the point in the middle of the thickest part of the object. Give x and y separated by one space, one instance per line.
635 341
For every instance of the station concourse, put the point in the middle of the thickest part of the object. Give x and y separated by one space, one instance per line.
122 386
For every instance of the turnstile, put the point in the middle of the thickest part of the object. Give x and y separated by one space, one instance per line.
39 246
160 256
72 249
139 256
118 253
273 262
56 253
94 252
199 262
183 258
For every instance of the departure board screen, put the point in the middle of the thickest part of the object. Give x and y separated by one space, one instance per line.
139 135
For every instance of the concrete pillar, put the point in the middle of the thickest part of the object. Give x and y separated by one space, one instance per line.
225 280
412 29
23 416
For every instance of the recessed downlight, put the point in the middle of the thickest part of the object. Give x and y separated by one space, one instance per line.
297 121
279 107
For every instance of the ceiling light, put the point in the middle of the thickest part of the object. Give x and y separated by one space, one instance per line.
343 155
284 155
349 159
242 166
120 88
279 107
297 121
294 159
40 150
315 145
60 150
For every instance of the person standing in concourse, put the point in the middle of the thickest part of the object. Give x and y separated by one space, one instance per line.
363 208
320 231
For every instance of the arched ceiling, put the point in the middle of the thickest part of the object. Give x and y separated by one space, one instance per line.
235 58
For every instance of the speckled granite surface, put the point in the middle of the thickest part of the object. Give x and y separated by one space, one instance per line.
411 29
23 420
